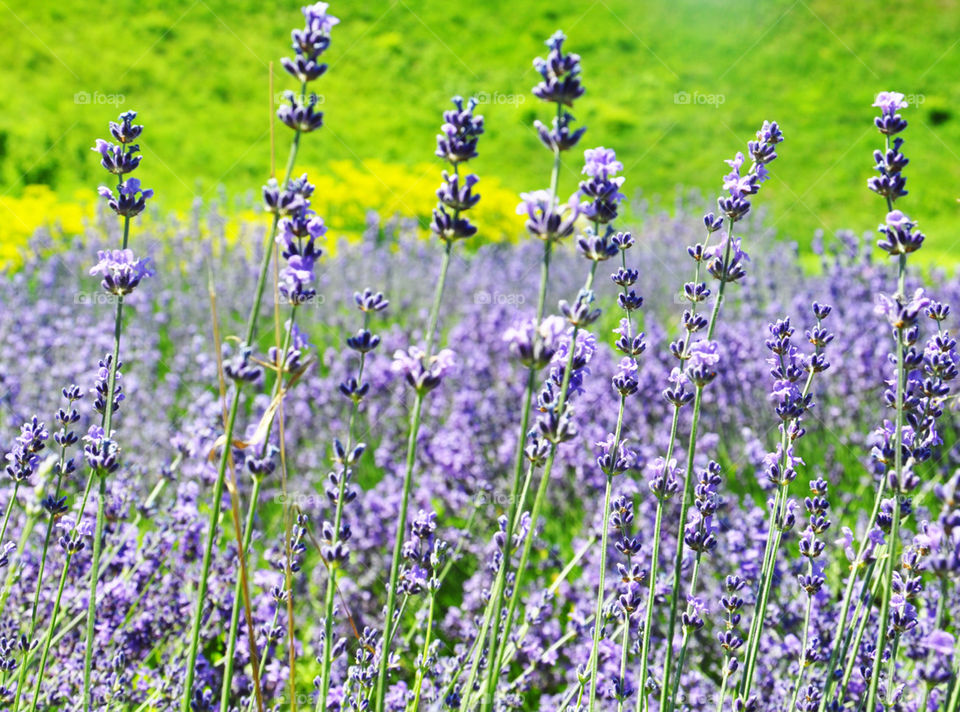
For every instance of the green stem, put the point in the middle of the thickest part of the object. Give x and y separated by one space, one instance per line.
56 608
615 449
246 538
6 516
954 701
407 484
937 625
264 653
598 614
858 637
895 526
855 634
496 600
518 492
839 653
424 655
46 545
492 613
642 701
102 496
684 642
624 647
686 490
235 612
510 649
330 596
774 537
678 557
803 650
46 646
217 502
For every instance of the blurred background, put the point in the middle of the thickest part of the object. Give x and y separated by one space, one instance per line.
674 86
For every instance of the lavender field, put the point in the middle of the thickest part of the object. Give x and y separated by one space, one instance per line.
641 457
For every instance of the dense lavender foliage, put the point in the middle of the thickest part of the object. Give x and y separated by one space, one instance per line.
613 466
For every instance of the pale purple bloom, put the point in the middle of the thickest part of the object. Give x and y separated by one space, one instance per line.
121 270
889 102
601 162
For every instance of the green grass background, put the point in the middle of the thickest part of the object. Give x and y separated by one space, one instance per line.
197 73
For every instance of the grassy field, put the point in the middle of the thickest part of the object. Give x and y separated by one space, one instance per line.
675 87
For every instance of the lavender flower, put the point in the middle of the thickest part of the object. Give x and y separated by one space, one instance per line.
121 271
560 72
310 43
129 200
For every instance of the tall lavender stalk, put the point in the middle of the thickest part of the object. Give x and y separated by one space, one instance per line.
602 190
336 534
811 547
614 458
425 554
900 239
560 85
793 401
298 233
283 199
121 273
696 362
424 370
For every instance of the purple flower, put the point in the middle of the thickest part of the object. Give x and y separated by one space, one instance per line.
130 200
460 132
22 460
534 345
889 102
601 162
704 353
300 113
124 130
900 311
899 237
546 220
602 189
117 159
560 72
941 643
318 19
610 463
100 451
121 270
890 122
423 376
310 43
559 137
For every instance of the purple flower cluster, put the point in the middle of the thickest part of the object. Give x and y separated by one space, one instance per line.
297 235
457 144
121 159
